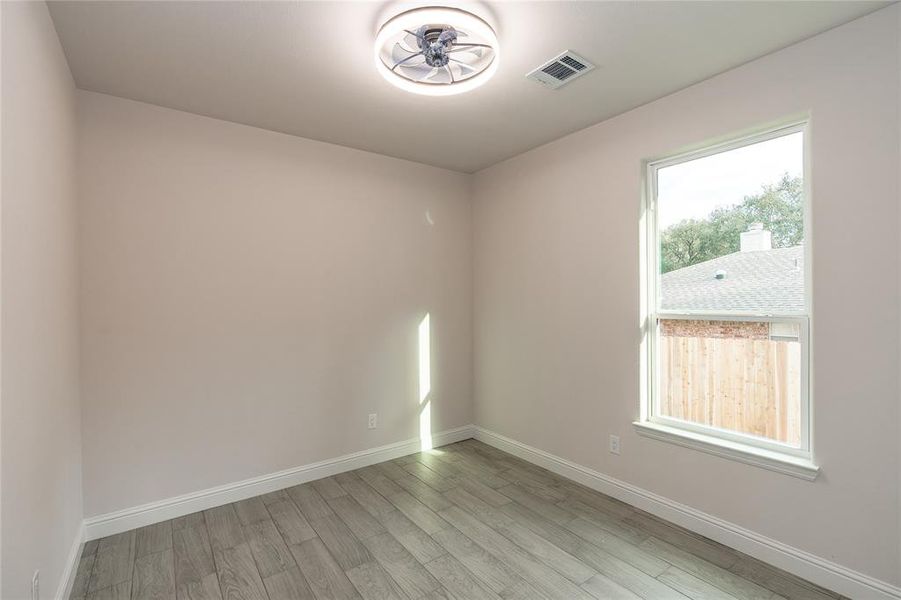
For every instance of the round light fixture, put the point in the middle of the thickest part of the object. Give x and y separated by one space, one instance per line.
436 51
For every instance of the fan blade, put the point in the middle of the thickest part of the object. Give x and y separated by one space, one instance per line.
419 72
400 62
439 76
476 51
462 65
415 72
403 45
399 51
470 60
472 45
461 71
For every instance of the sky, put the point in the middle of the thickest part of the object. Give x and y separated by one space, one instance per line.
691 190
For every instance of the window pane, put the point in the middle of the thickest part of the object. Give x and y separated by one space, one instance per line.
739 376
731 230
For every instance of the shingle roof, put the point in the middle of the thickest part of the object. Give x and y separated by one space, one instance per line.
758 280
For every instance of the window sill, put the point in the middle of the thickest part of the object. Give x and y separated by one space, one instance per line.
758 457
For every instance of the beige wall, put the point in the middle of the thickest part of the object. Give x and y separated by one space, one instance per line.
556 311
249 297
40 426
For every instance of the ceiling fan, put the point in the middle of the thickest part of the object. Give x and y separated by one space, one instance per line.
437 51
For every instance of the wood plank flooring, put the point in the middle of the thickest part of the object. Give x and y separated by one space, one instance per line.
464 521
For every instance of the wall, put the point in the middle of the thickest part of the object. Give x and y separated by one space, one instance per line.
898 20
556 310
40 422
248 298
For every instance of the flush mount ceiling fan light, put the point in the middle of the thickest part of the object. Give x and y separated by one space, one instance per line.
436 51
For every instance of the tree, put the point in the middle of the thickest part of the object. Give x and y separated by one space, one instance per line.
778 206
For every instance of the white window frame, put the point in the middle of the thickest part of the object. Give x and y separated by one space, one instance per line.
745 448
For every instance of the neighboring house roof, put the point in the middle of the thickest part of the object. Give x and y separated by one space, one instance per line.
756 280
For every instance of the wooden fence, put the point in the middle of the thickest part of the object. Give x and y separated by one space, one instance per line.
739 384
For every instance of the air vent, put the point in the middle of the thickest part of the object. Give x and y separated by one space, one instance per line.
560 70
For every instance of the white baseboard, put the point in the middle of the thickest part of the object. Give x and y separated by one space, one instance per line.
68 577
803 564
170 508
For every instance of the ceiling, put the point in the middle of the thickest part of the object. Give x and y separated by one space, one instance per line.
307 68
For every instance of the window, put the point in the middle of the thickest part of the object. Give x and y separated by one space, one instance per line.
726 304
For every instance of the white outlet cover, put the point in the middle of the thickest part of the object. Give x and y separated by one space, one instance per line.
36 586
614 444
373 420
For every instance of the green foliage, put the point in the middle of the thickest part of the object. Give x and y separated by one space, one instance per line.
778 206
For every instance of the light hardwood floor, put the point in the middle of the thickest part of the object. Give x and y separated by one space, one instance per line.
463 521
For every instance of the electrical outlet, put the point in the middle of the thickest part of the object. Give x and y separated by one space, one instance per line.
36 586
373 420
614 444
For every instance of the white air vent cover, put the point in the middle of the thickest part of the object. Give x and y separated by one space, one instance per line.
560 70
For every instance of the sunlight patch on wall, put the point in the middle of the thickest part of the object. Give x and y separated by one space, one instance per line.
425 427
425 383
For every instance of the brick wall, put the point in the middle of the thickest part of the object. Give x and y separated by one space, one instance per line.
715 329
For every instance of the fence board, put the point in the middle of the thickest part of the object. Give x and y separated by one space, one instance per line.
739 384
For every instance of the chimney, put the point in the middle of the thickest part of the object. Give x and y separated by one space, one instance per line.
756 238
